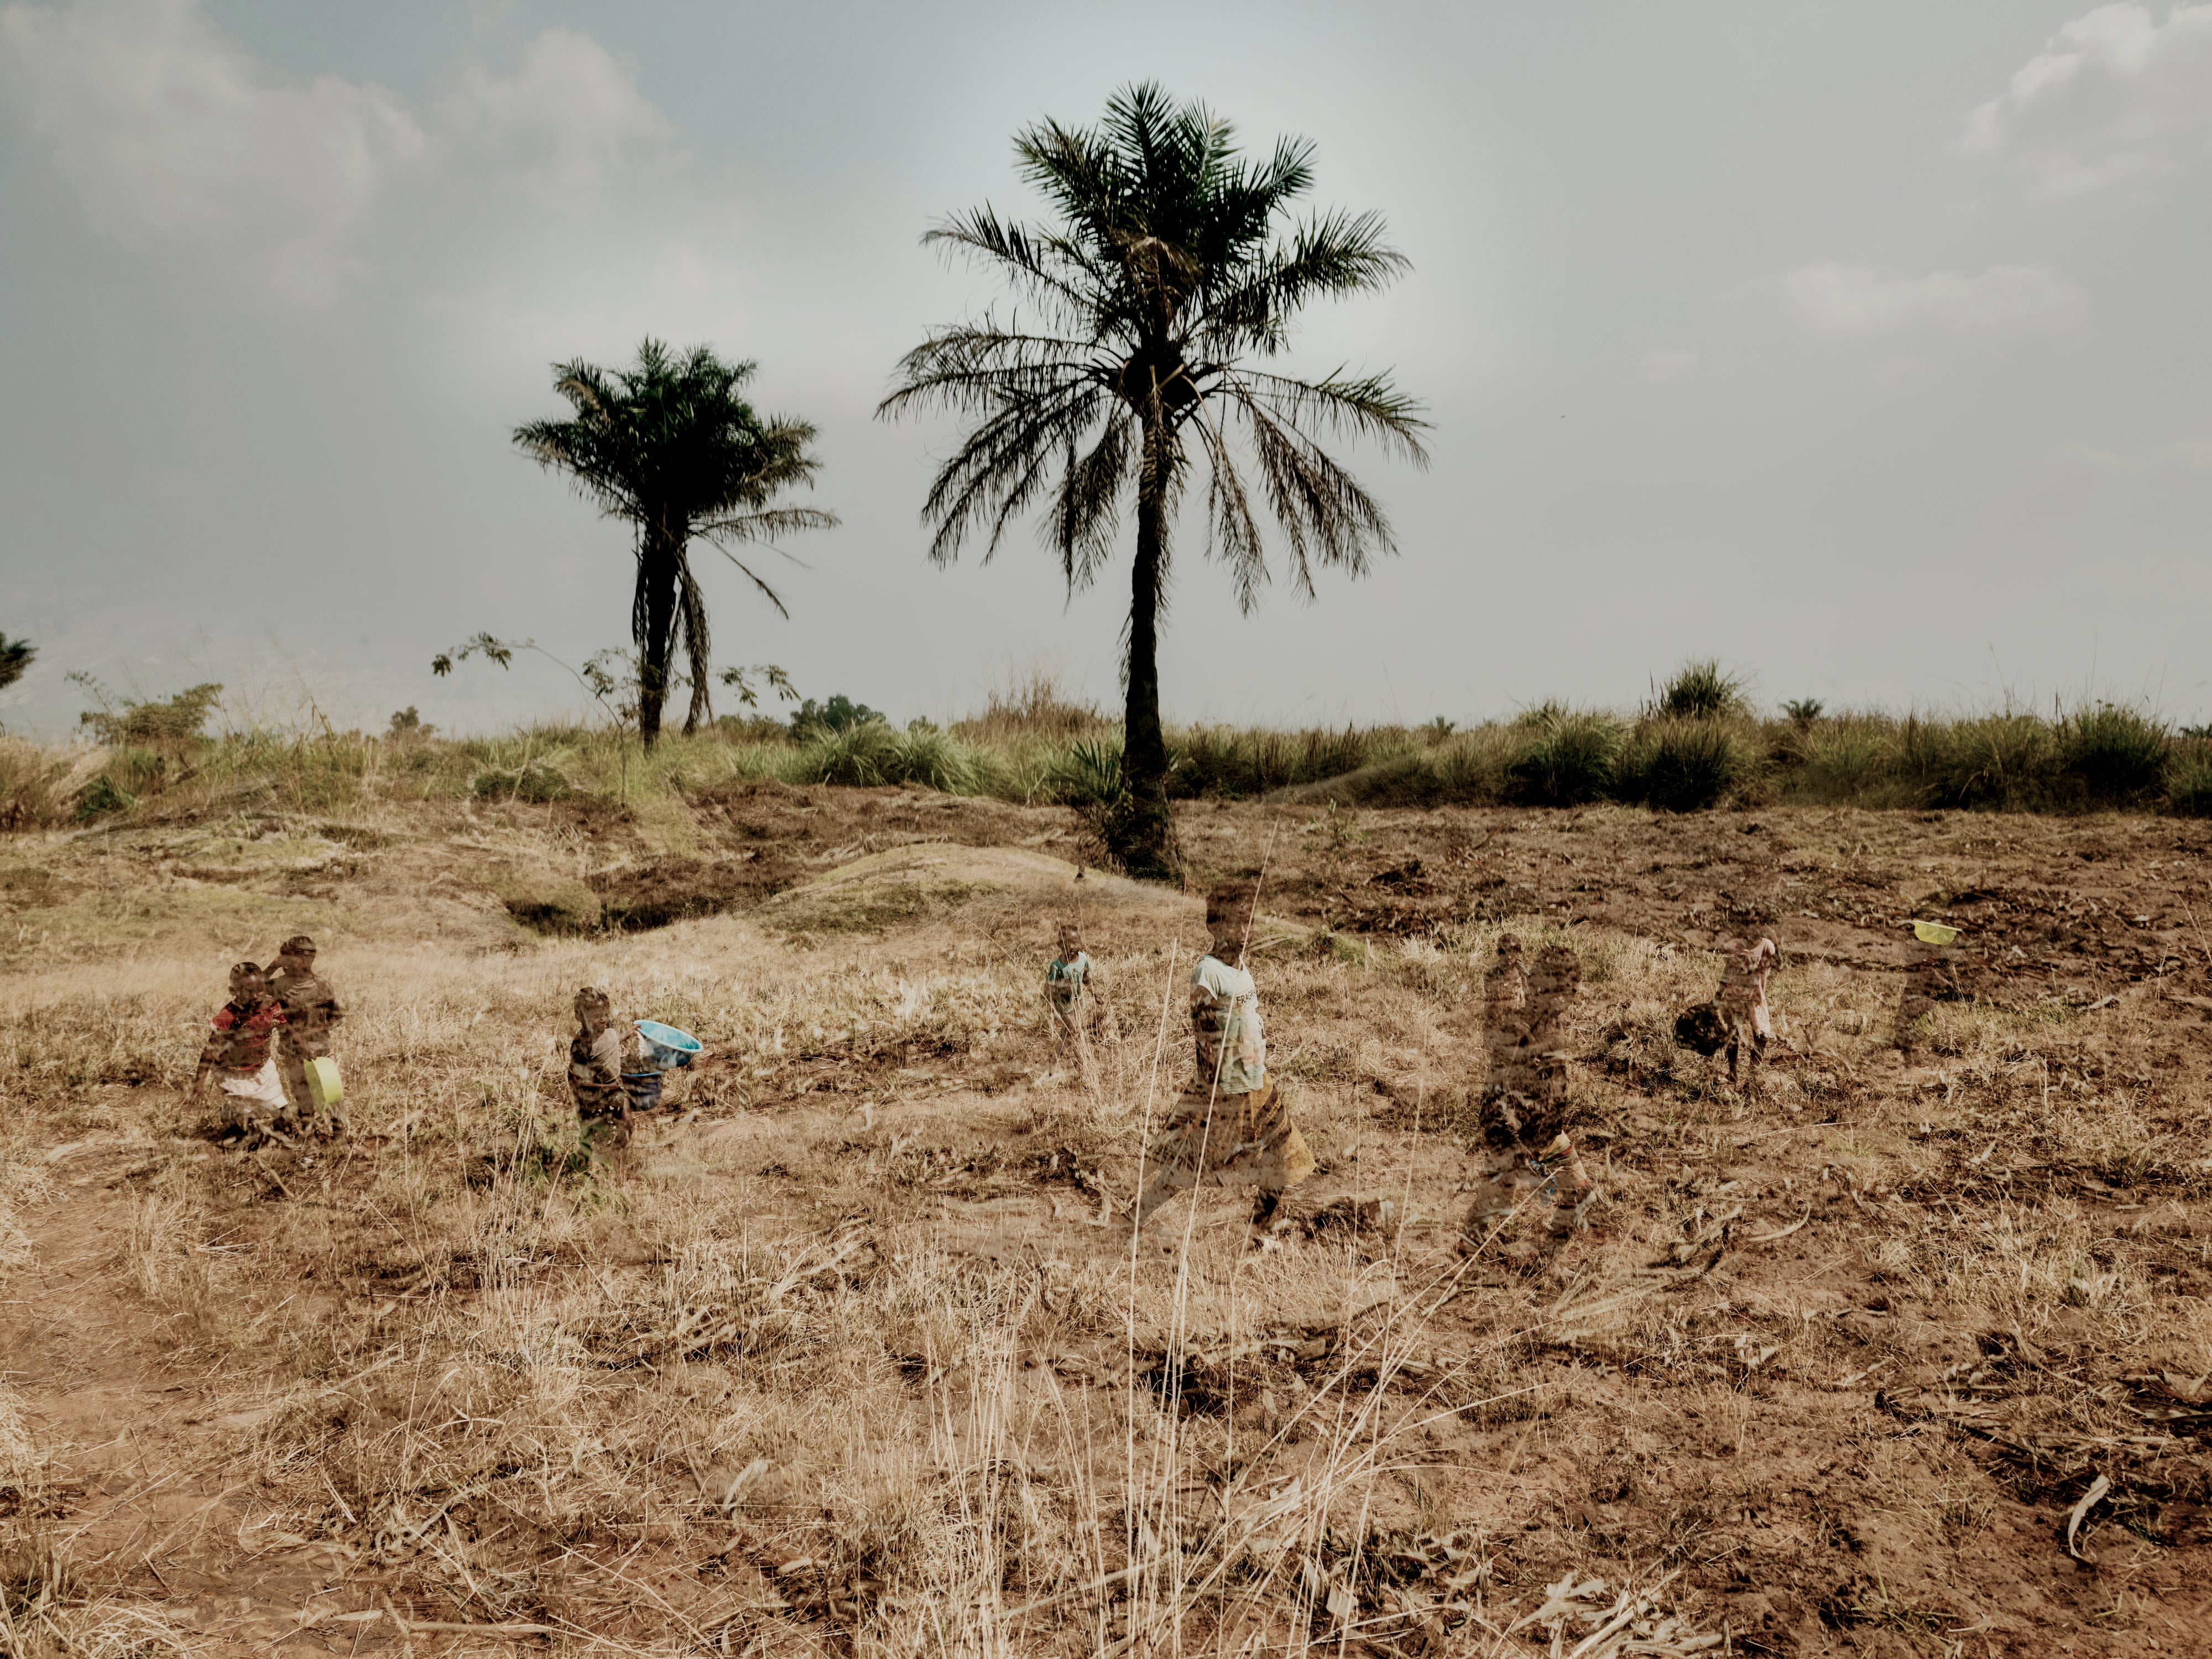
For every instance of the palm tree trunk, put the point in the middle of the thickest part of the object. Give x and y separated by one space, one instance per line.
1142 832
656 611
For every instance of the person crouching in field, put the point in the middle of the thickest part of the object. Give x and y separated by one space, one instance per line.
237 1055
1231 1125
1071 998
310 1009
598 1054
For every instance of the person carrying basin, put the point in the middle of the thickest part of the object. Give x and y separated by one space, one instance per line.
603 1050
311 1008
615 1066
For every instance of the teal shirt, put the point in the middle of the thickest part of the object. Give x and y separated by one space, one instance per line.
1067 982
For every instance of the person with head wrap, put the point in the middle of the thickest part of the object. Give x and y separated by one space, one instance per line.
237 1051
1231 1126
598 1054
310 1009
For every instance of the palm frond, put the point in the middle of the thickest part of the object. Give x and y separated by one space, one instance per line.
1323 512
1369 407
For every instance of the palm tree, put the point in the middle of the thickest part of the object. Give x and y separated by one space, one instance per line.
16 657
669 446
1171 268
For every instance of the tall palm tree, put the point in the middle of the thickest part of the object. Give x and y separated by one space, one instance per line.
1172 268
669 446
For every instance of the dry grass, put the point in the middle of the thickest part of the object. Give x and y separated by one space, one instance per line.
835 1360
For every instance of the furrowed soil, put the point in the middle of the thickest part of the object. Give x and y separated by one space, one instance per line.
1900 1346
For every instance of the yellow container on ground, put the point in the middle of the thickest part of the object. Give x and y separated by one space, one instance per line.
325 1087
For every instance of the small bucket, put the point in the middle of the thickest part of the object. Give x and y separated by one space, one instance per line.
644 1089
325 1087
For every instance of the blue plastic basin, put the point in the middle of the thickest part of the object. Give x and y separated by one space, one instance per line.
665 1045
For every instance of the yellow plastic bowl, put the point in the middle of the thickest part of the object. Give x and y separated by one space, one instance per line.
324 1086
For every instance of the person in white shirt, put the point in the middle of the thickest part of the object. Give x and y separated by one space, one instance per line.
1231 1125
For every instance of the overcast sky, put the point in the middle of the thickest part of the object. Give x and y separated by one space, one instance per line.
1859 344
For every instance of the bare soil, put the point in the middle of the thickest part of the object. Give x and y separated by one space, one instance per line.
1901 1347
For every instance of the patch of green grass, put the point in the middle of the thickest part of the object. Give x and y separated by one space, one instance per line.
1701 690
1684 765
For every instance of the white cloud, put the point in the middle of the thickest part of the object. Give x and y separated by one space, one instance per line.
178 145
558 129
2116 98
1663 363
1851 300
173 140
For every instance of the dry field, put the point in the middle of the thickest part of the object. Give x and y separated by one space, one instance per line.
1902 1350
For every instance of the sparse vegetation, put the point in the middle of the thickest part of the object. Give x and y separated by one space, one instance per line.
832 1359
1032 745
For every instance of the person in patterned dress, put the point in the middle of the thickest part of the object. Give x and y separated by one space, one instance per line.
237 1051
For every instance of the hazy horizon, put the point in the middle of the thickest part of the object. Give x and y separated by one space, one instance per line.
1848 344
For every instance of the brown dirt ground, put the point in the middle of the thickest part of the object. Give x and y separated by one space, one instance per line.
1837 1356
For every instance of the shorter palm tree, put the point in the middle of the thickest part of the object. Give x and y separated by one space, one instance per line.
669 446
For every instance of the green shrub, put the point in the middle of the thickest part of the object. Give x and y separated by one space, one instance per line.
2117 755
174 723
1088 770
1701 691
1566 758
2188 781
872 755
840 714
1680 764
2005 760
102 797
1225 763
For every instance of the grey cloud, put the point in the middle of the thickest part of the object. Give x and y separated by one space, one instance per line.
174 141
2115 98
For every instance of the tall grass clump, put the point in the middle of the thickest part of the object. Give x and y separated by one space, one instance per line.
2189 777
1565 756
40 788
1701 690
1229 763
872 753
1679 764
2115 754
